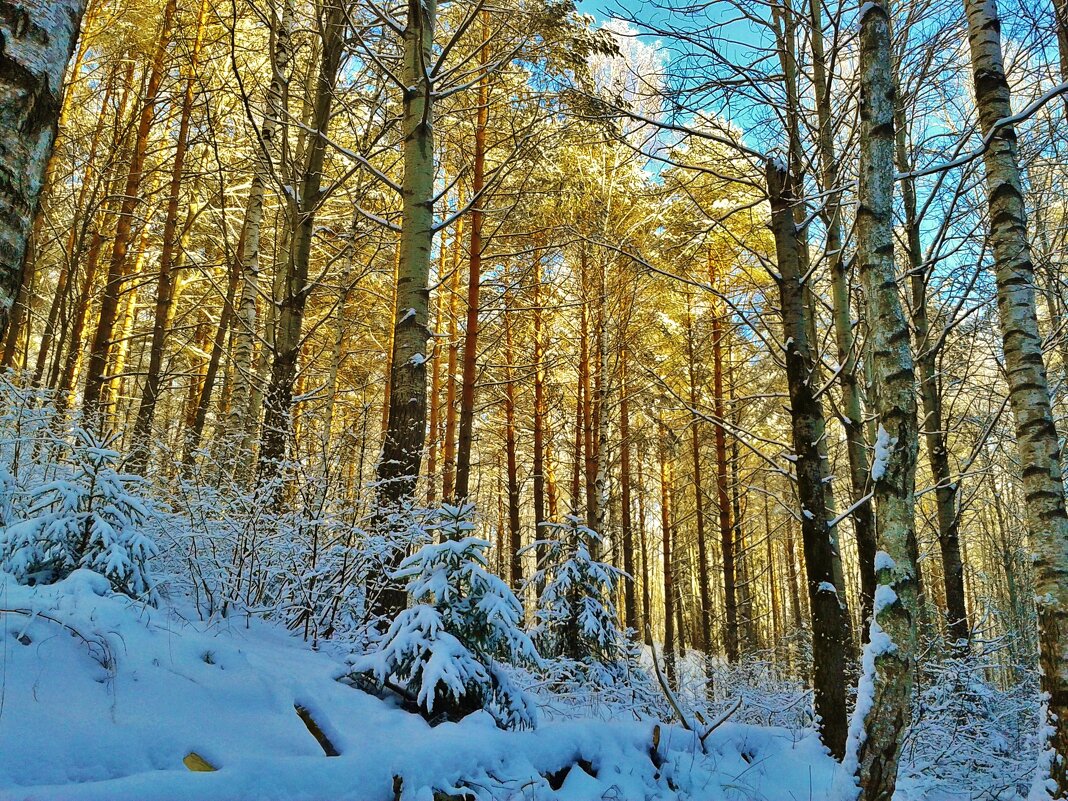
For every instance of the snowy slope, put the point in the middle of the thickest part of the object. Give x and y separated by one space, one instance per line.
109 712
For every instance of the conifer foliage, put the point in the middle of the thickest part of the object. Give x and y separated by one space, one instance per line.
88 516
449 650
577 621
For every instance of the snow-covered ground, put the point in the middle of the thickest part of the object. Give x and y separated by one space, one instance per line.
103 698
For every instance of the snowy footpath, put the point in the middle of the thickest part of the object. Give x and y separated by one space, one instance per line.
104 698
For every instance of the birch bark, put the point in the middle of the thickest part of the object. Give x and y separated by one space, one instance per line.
882 713
1036 436
37 39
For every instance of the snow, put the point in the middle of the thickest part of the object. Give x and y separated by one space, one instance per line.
884 597
883 561
879 642
884 447
111 712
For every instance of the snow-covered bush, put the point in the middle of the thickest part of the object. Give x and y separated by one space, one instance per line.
448 651
974 723
577 623
317 563
89 515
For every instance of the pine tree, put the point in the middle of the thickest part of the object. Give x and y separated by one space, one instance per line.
577 620
89 517
449 649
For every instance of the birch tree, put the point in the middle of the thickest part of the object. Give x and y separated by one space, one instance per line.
1036 434
883 713
37 40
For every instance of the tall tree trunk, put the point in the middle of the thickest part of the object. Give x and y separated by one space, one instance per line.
278 400
38 39
218 346
540 414
746 622
666 491
630 611
146 412
81 312
852 416
588 424
448 450
1036 436
76 236
434 424
577 462
883 711
514 533
723 501
773 584
647 573
402 449
705 610
131 198
935 437
830 629
600 507
474 280
240 426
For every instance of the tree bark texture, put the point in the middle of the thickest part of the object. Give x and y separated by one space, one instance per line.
883 710
37 39
830 628
1029 397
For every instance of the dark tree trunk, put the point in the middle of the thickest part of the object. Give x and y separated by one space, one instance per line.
830 631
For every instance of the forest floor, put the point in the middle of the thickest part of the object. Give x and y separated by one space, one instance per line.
104 698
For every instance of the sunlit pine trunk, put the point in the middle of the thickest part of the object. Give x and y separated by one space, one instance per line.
514 532
116 379
146 411
474 279
194 435
1029 396
448 448
630 611
434 423
705 596
577 461
50 342
131 198
589 464
743 559
540 413
599 511
666 492
643 547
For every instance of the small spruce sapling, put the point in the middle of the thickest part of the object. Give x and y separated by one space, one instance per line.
577 619
89 516
449 649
